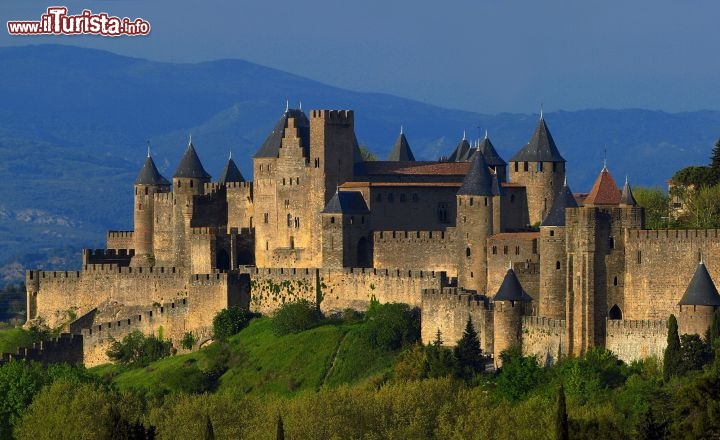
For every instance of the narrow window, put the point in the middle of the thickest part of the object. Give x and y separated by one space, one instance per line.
265 217
332 219
467 252
539 167
191 184
639 257
494 250
471 201
289 220
552 233
505 250
557 265
615 280
525 166
516 167
517 250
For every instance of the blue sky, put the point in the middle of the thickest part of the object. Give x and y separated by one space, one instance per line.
485 56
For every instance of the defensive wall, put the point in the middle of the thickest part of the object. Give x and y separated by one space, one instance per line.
544 337
60 296
448 309
634 340
659 266
431 250
168 321
120 240
65 348
338 288
520 249
119 257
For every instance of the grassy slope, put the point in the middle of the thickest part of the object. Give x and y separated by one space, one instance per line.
12 338
261 362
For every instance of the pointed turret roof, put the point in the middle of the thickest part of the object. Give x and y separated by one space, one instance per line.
511 289
496 187
564 199
272 144
701 291
401 152
460 152
347 202
626 197
231 173
604 191
491 155
149 174
540 148
190 165
478 180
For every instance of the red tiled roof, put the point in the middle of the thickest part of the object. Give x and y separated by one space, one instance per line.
604 191
417 168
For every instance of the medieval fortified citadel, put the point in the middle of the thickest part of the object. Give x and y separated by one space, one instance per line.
454 238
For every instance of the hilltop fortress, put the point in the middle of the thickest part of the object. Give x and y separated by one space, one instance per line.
504 243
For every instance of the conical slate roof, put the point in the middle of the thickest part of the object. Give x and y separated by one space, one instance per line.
347 202
626 197
702 290
401 152
564 199
149 174
460 152
231 173
604 191
511 289
190 165
478 180
271 146
540 148
491 155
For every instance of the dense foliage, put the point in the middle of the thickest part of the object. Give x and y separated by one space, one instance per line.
296 316
227 322
138 350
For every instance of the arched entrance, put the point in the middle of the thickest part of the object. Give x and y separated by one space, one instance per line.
615 312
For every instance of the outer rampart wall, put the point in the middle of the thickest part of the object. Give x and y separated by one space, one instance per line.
120 240
633 340
544 338
659 266
448 310
340 288
65 348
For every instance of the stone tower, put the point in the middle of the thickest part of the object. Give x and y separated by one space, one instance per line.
553 264
188 182
148 183
541 169
474 225
509 307
345 231
698 304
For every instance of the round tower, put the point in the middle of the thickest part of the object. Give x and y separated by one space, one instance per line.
345 231
540 168
149 182
698 304
508 309
553 265
474 224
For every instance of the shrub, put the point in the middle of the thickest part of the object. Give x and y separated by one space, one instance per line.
391 326
188 341
138 350
230 321
296 316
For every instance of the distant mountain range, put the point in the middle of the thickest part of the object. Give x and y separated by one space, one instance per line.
74 124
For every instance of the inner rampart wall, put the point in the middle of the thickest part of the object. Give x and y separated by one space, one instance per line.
430 250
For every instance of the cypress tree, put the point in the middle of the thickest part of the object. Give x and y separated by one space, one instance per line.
280 435
438 339
209 431
468 352
672 358
561 420
715 163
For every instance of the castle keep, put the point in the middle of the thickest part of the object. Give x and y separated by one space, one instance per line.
506 244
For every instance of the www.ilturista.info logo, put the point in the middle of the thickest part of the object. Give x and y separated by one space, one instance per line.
57 22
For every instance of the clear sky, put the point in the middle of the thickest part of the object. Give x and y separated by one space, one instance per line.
484 56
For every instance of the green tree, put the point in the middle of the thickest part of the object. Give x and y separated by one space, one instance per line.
440 362
188 341
296 316
649 428
438 339
656 204
704 207
694 353
209 433
391 326
519 374
230 321
672 356
138 350
366 154
468 353
715 163
561 418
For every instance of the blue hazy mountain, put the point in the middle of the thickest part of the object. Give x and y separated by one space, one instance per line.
74 124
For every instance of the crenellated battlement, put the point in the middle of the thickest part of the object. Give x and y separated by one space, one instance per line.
212 187
658 325
164 197
542 322
453 295
333 116
204 230
120 234
120 257
670 235
409 236
127 325
65 348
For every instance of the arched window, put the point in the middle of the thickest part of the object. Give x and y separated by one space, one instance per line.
615 312
467 252
615 280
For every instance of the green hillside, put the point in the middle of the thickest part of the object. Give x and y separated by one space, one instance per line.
260 362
